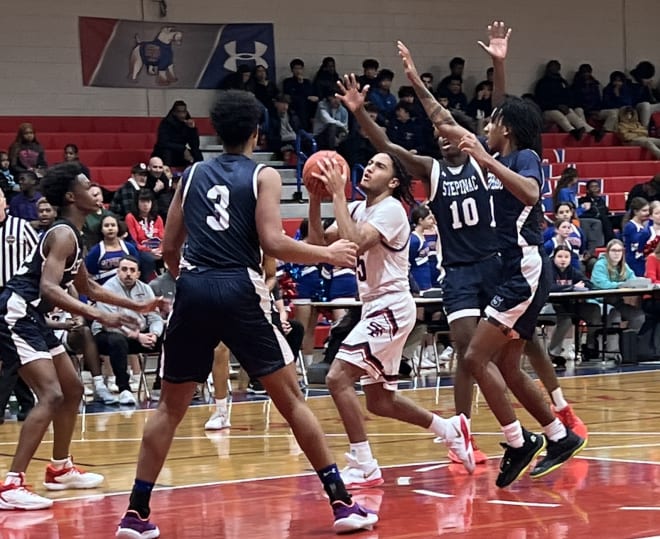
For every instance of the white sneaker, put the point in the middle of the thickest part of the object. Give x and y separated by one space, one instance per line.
446 355
217 421
19 497
102 394
88 391
126 397
111 384
70 477
134 382
361 474
155 395
458 440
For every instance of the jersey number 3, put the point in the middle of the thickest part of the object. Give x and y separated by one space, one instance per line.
219 195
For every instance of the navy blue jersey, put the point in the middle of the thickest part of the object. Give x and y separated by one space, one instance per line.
219 202
462 206
518 225
27 279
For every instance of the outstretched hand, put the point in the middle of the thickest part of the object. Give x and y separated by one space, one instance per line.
408 64
342 253
333 175
498 40
350 94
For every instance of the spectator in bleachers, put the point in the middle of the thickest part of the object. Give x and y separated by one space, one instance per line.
126 196
146 228
26 153
164 198
633 133
563 229
481 105
92 227
262 87
649 190
118 343
237 80
618 93
103 258
588 101
357 148
381 96
24 204
645 94
283 127
427 79
457 99
330 123
369 73
325 80
405 130
301 91
594 206
610 272
577 237
7 184
71 155
653 225
566 277
418 249
490 74
456 68
553 95
636 234
178 139
45 216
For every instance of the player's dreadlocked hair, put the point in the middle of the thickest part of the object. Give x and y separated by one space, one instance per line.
403 191
524 122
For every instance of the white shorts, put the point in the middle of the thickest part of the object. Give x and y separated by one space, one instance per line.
376 343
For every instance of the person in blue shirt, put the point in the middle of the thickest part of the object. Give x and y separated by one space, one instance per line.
636 234
381 96
418 249
562 232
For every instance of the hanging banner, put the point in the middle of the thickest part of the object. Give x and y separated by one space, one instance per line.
138 54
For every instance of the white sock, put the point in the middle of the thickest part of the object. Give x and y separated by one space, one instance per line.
59 464
14 478
513 434
98 381
361 451
558 399
555 431
221 405
439 426
308 359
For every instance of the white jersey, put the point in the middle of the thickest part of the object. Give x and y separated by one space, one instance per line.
383 268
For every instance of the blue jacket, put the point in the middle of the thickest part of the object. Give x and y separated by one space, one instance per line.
603 280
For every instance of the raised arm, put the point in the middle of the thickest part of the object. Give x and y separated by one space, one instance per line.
498 44
440 117
354 99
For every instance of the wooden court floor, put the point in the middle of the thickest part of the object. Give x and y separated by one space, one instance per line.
252 481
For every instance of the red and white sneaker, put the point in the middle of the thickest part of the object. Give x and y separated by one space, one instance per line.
457 439
569 418
70 477
19 496
479 456
361 474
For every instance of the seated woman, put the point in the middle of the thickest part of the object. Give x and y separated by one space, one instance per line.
71 155
178 140
565 278
633 133
635 234
103 258
26 153
146 228
577 238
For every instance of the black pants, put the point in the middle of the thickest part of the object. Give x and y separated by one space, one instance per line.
10 381
117 346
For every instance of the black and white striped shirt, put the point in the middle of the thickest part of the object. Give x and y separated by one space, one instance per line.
17 239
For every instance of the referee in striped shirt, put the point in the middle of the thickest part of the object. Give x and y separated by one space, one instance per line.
17 239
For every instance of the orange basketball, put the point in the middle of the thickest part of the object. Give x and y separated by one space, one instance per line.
313 184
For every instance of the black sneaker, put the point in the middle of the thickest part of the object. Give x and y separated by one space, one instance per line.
558 453
256 388
517 459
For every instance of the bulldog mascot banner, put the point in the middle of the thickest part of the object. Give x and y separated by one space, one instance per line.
138 54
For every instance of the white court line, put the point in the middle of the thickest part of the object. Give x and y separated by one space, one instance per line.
431 468
433 494
626 446
523 504
639 508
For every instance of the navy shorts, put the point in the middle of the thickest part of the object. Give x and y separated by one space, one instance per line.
232 306
522 292
468 288
24 335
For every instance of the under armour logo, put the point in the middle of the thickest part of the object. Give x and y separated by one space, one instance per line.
231 63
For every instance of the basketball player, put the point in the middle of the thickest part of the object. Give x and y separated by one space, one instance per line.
511 156
227 210
371 353
39 286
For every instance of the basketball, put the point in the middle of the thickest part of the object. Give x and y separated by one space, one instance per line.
313 184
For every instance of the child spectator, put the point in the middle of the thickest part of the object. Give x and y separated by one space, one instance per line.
103 258
594 206
71 155
92 227
577 238
146 228
618 93
26 153
46 216
418 250
330 123
178 139
381 96
481 105
369 73
325 80
283 127
563 229
24 204
636 234
301 92
633 133
7 184
405 130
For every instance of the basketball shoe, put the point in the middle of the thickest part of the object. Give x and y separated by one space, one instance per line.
19 496
570 420
350 518
132 526
517 459
358 474
457 439
70 477
218 421
558 453
479 456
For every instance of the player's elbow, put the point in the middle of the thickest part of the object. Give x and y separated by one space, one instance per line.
273 244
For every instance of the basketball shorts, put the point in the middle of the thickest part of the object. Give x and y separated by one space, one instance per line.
24 335
523 290
376 343
232 306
